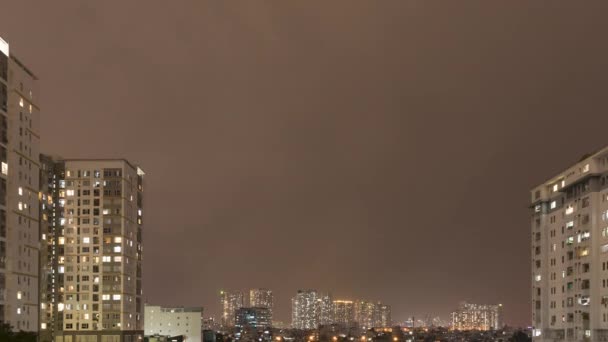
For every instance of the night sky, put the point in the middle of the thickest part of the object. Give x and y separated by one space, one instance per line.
377 149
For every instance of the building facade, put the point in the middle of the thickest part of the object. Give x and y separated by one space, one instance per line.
254 317
93 289
261 298
51 214
176 321
365 314
344 313
382 316
325 309
230 302
305 310
569 245
477 317
19 177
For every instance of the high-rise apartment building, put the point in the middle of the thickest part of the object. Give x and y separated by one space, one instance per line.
477 317
344 313
230 302
365 314
51 281
304 310
261 298
325 310
19 176
92 214
569 235
382 316
172 322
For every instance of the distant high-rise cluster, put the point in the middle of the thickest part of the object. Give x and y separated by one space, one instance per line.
260 300
477 317
311 309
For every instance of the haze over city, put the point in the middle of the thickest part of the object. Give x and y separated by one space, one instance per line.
380 150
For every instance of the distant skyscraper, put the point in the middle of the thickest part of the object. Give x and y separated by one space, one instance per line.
477 317
325 310
176 321
344 313
95 231
382 315
230 302
569 240
261 298
304 310
19 209
366 314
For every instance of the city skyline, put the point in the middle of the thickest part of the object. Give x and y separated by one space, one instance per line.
391 140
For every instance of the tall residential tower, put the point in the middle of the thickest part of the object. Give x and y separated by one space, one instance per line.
94 235
569 247
19 176
230 302
261 298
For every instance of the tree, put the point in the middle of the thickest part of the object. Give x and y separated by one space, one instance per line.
7 334
520 336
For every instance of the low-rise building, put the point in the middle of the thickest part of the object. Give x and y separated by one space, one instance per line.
175 321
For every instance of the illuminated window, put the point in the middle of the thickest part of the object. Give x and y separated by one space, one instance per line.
116 297
18 311
117 249
107 258
70 192
586 168
20 190
61 269
553 204
537 277
555 187
118 239
43 326
117 259
569 209
570 224
20 206
19 294
21 102
86 240
105 297
4 168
